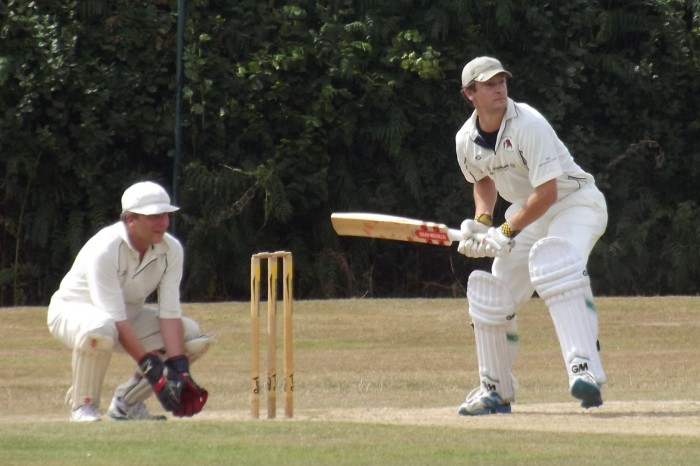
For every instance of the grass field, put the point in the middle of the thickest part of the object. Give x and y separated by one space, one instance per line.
377 382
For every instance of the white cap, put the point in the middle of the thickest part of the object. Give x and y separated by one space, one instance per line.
482 69
146 198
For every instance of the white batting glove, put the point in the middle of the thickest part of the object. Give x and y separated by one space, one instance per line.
497 244
470 246
471 227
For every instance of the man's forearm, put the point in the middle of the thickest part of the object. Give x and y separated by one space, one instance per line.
173 336
485 196
537 204
127 338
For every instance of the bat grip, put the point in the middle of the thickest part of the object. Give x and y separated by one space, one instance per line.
456 235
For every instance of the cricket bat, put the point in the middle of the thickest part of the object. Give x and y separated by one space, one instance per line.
394 228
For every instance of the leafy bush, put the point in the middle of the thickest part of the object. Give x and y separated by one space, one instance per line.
292 112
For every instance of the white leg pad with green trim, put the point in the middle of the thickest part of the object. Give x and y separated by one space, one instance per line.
560 278
491 307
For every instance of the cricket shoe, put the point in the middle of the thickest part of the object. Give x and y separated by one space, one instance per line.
85 413
119 410
480 402
586 389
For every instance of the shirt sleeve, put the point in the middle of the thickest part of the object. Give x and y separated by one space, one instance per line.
471 173
169 287
539 145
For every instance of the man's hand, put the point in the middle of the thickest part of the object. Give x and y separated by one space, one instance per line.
166 384
471 246
193 397
497 244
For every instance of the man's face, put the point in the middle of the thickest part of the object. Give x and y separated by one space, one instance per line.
489 96
146 230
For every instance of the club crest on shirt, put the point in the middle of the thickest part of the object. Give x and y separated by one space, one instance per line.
507 145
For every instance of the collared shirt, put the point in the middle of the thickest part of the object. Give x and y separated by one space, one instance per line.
528 154
107 273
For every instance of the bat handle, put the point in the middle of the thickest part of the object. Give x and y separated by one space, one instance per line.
456 235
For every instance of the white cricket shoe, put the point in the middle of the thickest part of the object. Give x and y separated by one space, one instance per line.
119 410
586 389
85 413
480 402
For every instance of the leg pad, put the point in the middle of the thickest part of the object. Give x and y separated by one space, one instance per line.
491 307
559 276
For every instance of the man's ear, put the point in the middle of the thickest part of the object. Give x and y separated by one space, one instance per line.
466 92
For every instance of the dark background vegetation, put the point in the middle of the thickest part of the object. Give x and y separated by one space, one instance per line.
294 110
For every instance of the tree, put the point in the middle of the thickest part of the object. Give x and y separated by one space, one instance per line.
293 111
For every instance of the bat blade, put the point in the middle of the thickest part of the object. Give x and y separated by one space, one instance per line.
390 227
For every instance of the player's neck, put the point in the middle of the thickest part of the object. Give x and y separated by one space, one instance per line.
489 119
490 123
139 246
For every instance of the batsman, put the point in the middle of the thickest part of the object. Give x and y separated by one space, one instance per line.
556 215
101 307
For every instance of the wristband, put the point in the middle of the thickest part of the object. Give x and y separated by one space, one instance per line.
180 364
508 230
486 219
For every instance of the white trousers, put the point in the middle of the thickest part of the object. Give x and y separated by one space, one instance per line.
68 321
580 218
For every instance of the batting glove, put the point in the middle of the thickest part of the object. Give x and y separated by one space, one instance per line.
471 246
499 241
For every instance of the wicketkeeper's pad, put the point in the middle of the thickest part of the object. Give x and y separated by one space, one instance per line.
91 355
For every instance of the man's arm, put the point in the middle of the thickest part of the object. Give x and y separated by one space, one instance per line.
541 199
499 241
169 302
485 196
127 338
167 386
173 336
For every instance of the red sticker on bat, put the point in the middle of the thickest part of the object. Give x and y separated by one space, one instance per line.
432 236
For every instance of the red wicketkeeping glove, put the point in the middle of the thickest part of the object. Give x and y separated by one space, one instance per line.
192 396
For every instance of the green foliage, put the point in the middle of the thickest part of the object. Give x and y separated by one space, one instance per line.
293 111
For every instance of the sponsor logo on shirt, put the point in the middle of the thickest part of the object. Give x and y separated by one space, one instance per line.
502 168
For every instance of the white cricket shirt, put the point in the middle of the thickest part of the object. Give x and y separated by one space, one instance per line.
528 153
108 274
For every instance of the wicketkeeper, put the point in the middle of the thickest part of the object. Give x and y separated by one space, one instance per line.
556 216
100 306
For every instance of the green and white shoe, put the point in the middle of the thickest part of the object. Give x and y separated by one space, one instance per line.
586 389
